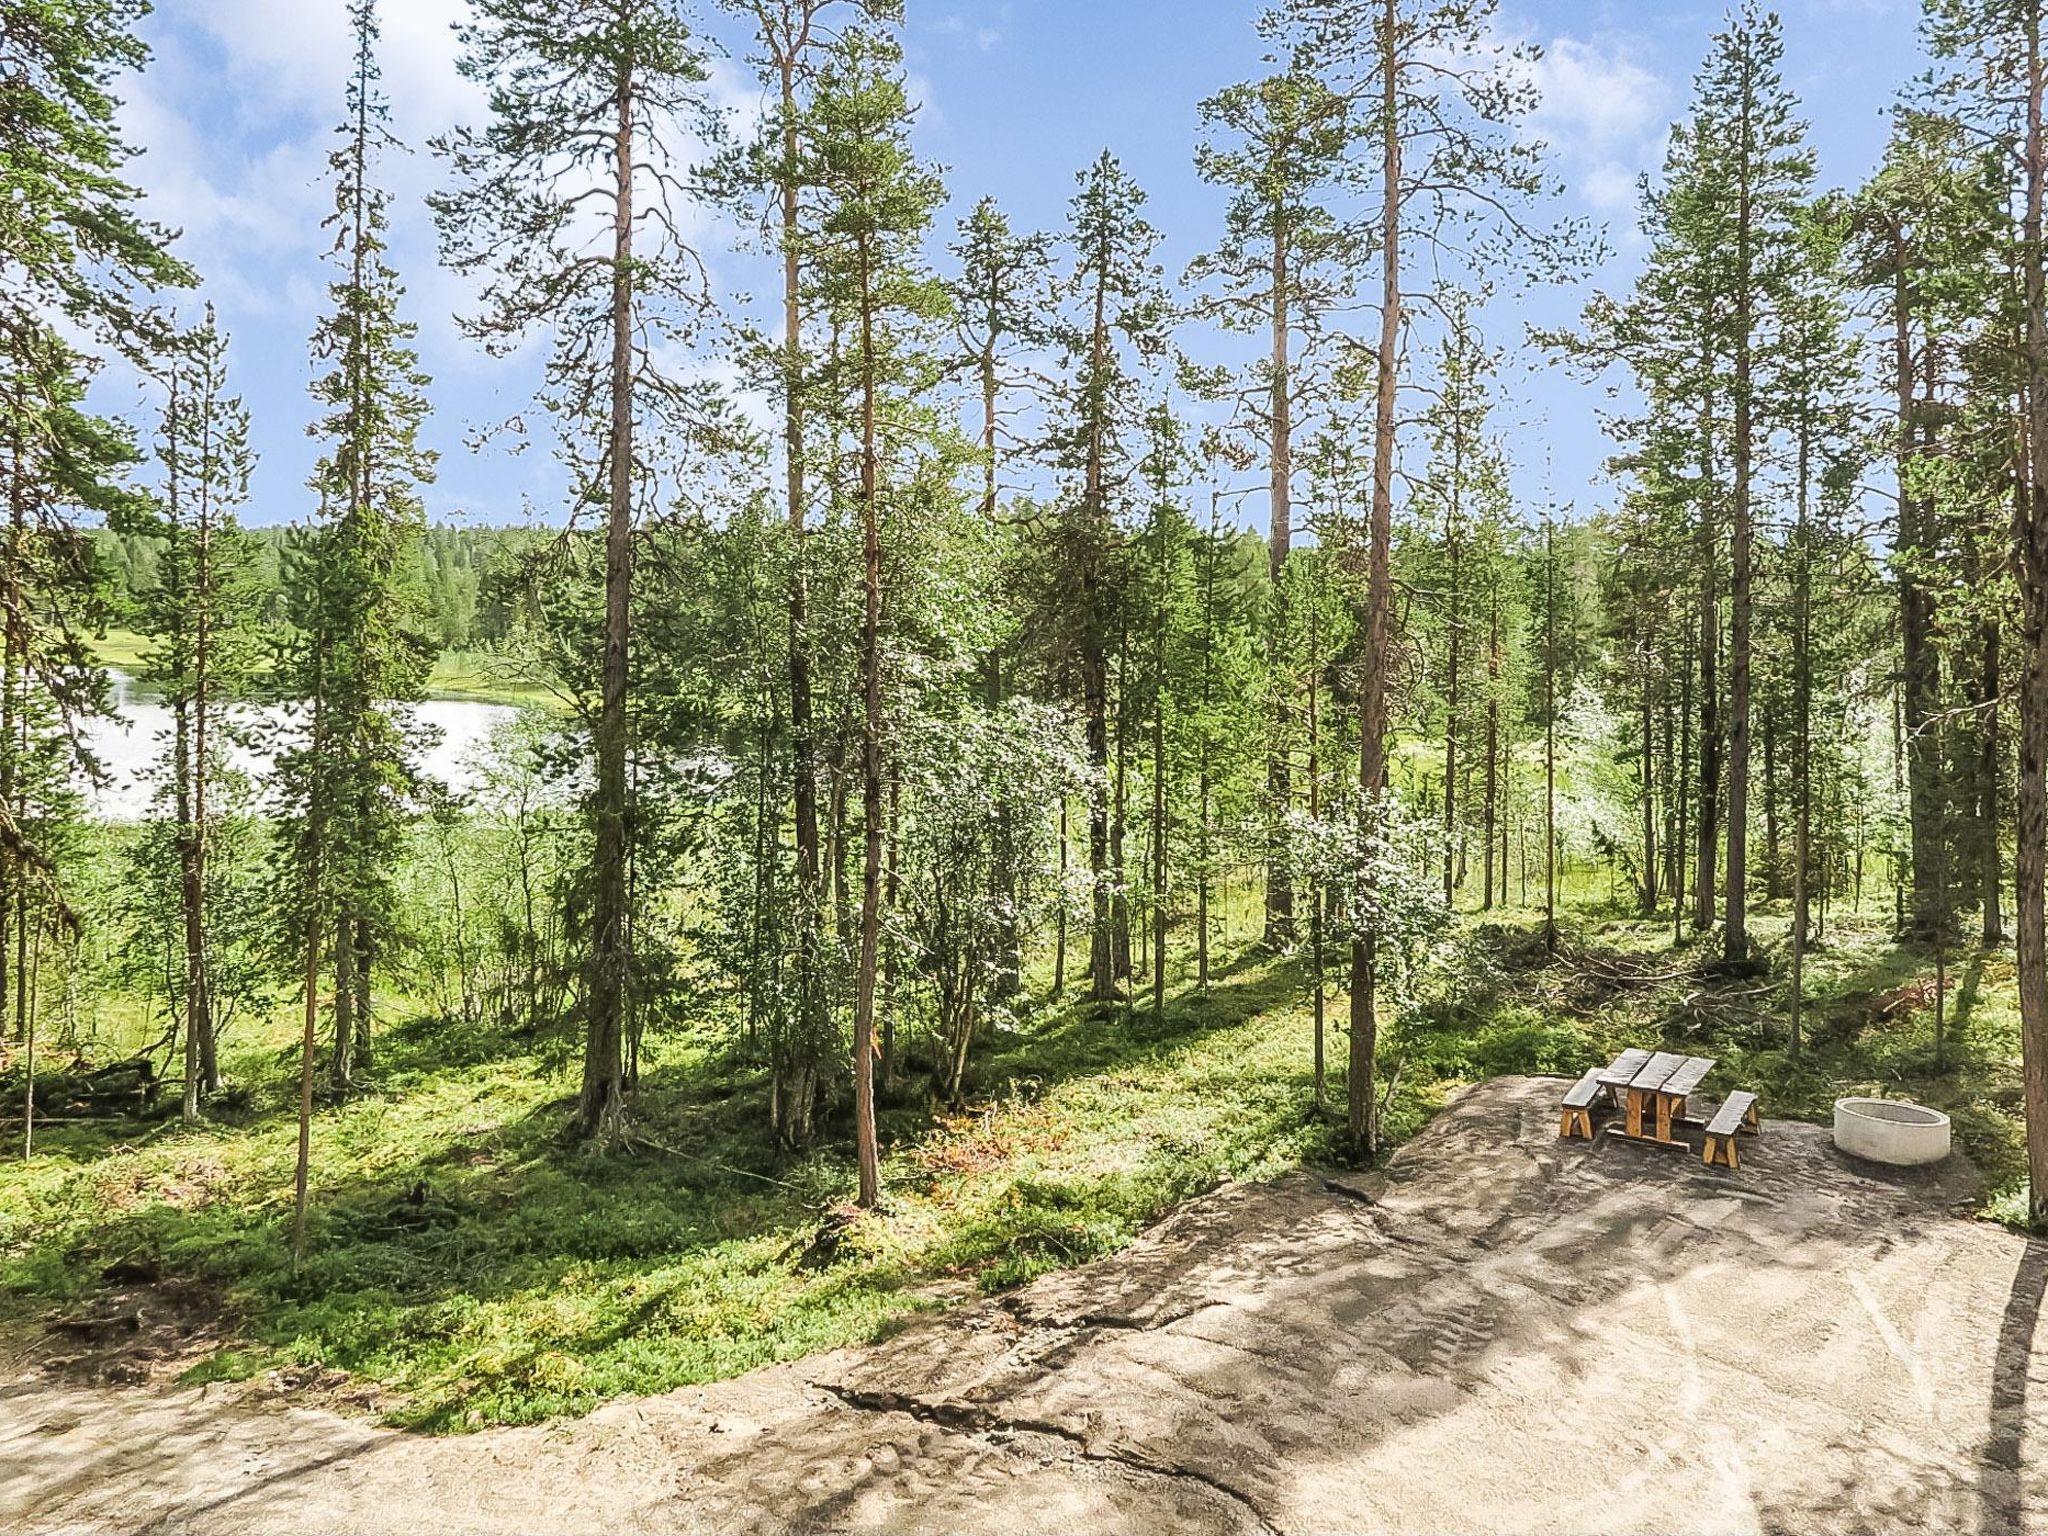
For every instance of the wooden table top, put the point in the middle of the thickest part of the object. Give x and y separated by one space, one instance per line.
1623 1067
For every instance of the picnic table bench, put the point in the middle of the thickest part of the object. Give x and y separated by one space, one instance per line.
1577 1117
1737 1113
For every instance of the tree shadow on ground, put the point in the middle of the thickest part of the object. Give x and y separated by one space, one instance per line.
2002 1493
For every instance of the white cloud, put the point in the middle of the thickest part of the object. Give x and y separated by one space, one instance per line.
1609 187
296 56
1605 115
1596 98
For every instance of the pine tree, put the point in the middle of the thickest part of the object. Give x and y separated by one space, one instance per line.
615 92
1436 99
1758 176
198 613
1280 270
1115 323
790 34
877 204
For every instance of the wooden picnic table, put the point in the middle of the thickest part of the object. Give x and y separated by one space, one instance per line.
1659 1090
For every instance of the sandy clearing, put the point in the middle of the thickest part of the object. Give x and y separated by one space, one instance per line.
1496 1332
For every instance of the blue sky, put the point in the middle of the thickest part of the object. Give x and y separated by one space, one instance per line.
235 116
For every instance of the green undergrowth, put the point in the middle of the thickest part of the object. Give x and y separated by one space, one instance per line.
464 1257
480 1270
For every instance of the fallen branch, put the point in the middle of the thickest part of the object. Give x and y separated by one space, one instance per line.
640 1139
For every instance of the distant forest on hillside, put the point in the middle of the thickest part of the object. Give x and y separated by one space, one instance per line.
467 581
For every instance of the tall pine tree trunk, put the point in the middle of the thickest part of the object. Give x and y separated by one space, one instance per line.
866 1151
600 1106
1279 538
1362 1108
795 1090
1920 663
2030 932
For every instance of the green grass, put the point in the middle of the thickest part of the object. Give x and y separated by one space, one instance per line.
122 649
530 1279
533 1280
486 678
481 677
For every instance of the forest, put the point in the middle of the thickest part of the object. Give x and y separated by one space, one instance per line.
1009 736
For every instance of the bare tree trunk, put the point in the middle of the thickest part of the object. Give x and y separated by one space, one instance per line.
1362 1108
600 1107
867 1152
1735 922
1279 538
2032 831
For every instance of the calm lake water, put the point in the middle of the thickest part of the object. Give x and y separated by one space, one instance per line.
132 741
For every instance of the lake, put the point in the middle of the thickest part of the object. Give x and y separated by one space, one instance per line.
131 742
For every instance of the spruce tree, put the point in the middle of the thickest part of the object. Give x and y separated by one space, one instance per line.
370 629
1113 325
79 267
1001 298
1757 178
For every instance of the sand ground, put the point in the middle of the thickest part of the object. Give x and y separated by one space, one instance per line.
1497 1332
